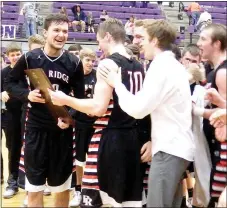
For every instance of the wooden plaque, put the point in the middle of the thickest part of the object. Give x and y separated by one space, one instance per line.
40 81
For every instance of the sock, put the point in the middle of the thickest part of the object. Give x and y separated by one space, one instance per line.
78 188
190 192
183 203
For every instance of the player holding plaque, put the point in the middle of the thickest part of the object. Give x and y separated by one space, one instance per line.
48 141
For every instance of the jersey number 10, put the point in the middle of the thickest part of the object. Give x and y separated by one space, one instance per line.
136 81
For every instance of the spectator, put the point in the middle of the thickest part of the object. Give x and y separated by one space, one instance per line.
90 22
129 27
104 16
195 9
204 19
64 11
75 49
79 18
144 5
30 11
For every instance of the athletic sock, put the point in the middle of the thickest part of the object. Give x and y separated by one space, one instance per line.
78 188
190 192
183 203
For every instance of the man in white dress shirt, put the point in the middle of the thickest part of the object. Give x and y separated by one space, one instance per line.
166 96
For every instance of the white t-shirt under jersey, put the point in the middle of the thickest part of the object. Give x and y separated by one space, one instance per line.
166 95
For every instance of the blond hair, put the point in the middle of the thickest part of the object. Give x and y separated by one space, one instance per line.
36 39
141 23
162 30
87 52
114 27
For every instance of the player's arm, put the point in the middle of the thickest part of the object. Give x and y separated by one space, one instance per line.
77 81
96 106
15 89
11 84
144 102
221 82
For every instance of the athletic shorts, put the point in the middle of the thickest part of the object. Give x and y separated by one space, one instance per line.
48 158
113 171
82 140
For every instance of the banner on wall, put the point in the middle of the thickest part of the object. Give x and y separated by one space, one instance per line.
8 31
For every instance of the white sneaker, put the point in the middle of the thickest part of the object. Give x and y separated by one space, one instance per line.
76 199
25 202
46 192
189 202
9 193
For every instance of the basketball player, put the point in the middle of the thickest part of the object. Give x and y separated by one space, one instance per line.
48 143
191 54
166 96
213 45
34 41
83 123
113 168
75 49
11 123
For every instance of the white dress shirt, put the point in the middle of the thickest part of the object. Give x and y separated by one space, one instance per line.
166 96
204 17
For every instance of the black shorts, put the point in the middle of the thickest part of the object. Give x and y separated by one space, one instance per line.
82 140
113 171
48 156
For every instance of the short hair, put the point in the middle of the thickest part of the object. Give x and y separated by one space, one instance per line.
114 27
129 52
87 52
140 23
218 34
57 18
176 50
135 49
37 39
128 40
13 47
75 47
162 30
193 49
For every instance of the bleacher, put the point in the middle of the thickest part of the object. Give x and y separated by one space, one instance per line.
114 9
10 19
121 10
217 9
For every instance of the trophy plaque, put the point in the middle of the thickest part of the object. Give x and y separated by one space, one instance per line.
40 81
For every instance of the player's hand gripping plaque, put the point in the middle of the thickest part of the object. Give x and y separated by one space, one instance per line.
40 81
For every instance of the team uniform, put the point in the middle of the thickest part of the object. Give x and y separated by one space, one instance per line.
11 125
47 148
84 123
218 151
112 173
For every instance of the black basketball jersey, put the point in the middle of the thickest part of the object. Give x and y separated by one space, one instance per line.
132 77
64 72
82 120
89 83
209 130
